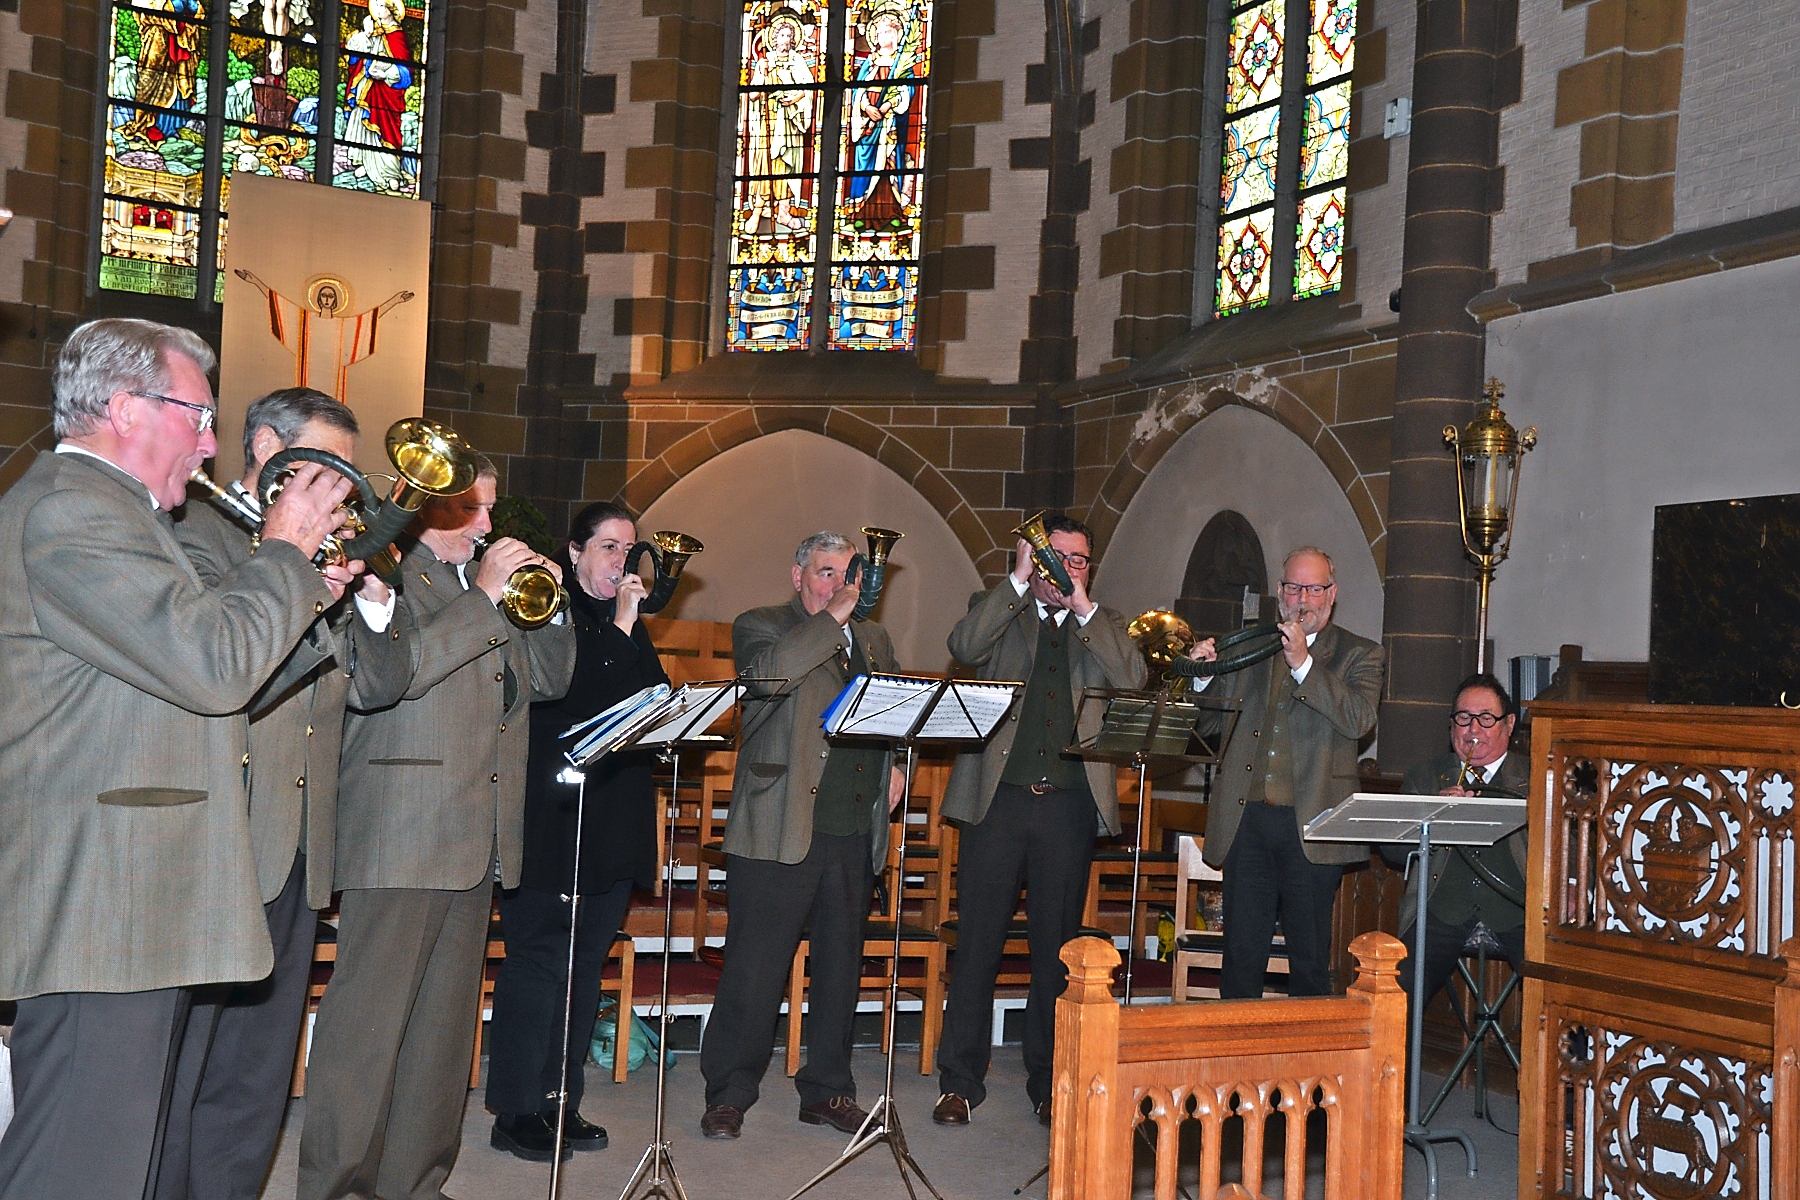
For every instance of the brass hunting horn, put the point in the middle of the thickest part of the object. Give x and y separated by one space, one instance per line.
431 461
1043 556
881 544
1164 639
669 552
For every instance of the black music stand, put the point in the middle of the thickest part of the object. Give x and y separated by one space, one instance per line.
1137 726
1451 821
677 721
925 716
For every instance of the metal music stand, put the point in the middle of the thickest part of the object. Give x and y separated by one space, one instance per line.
679 720
1136 726
1447 821
883 1122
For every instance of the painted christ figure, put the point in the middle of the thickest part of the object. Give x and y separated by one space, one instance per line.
780 126
324 340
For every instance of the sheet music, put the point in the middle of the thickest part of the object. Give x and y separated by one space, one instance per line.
693 710
982 706
601 732
879 706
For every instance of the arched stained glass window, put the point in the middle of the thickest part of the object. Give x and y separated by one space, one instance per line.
829 238
1286 150
199 89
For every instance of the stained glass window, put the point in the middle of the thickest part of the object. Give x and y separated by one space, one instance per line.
803 218
1271 199
166 195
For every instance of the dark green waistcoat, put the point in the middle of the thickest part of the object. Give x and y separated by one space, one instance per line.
853 776
1047 716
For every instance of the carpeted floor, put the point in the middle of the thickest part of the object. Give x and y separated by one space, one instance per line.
777 1154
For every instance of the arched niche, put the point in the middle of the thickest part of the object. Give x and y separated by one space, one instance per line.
1237 459
753 504
1227 580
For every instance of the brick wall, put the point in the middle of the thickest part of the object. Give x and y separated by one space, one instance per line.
1542 159
1000 207
1377 165
1740 156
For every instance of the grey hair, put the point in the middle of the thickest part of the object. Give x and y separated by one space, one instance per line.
286 412
112 355
824 541
1330 566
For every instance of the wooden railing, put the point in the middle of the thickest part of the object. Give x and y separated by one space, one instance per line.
1214 1062
1662 1022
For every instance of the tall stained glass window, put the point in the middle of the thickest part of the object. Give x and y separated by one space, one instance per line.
818 236
200 89
1285 150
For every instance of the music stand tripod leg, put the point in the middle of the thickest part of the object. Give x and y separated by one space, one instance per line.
883 1121
1418 1134
656 1161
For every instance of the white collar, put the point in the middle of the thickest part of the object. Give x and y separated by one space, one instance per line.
72 448
1044 614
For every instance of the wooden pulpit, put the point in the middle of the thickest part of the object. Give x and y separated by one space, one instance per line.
1662 1031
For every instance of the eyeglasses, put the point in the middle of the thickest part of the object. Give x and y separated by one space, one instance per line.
1464 719
1311 590
207 413
1078 561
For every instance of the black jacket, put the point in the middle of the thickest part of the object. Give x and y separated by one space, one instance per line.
618 837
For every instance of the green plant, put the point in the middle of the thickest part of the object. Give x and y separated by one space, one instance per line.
517 517
128 41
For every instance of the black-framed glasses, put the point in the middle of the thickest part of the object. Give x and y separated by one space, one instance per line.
207 413
1078 561
1310 590
1465 718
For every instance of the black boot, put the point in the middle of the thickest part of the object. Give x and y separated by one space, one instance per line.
580 1132
527 1136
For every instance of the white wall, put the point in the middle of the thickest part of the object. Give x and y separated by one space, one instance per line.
1665 395
1237 458
754 503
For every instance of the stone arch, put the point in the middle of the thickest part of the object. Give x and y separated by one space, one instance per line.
1226 463
1174 410
886 446
753 503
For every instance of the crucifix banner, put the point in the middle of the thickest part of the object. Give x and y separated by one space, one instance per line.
324 288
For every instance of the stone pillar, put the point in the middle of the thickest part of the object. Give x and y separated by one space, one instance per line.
1451 189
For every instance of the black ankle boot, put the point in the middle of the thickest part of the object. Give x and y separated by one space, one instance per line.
526 1136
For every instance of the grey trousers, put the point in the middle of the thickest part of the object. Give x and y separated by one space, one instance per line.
389 1072
94 1080
236 1061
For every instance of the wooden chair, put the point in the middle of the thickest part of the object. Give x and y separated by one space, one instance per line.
1109 876
1201 945
878 945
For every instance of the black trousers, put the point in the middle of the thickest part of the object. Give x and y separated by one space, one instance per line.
1045 845
772 904
236 1062
1268 879
1443 946
525 1038
94 1082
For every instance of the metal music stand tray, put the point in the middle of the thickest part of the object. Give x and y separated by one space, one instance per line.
669 728
1445 821
883 1122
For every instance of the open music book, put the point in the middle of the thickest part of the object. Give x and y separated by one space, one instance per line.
920 709
652 717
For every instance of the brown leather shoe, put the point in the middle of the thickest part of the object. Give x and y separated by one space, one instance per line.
1043 1113
840 1112
722 1122
951 1109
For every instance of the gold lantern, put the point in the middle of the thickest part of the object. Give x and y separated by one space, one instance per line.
1488 450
